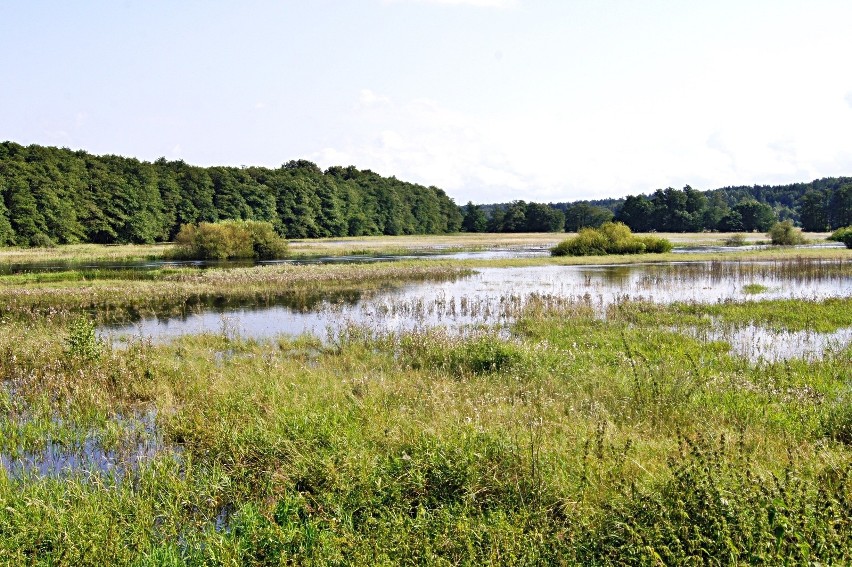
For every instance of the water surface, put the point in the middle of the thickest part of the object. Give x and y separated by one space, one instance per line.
498 295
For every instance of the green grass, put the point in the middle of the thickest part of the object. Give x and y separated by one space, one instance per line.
754 289
574 440
777 315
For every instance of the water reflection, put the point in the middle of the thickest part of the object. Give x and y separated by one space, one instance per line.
762 344
146 265
139 441
498 295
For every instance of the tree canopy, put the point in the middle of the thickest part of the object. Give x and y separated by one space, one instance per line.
54 196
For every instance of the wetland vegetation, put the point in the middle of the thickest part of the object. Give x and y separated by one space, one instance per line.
610 238
599 414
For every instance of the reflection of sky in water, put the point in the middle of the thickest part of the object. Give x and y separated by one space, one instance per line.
140 441
758 343
492 295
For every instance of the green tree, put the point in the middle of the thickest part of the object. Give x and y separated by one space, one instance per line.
840 207
543 218
636 213
696 209
449 211
813 211
7 234
755 215
427 212
495 221
716 209
24 215
582 214
515 217
474 219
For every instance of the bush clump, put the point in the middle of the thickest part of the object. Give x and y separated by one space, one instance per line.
843 235
227 240
610 238
785 234
738 239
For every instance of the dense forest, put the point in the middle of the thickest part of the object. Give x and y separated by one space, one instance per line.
55 196
823 204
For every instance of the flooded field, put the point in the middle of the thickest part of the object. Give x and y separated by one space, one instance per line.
365 257
191 410
499 295
117 448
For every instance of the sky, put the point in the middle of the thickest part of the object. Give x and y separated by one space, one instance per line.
490 100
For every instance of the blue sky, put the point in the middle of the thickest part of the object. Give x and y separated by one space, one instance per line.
491 100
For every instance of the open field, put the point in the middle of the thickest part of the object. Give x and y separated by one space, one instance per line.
573 438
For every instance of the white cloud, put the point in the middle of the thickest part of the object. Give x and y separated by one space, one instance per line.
586 150
369 98
421 141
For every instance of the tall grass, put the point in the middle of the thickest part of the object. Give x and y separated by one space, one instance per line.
574 440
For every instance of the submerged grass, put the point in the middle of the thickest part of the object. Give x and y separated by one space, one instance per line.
824 316
571 440
125 295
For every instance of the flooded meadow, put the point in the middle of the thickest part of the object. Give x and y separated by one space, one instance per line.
371 409
497 296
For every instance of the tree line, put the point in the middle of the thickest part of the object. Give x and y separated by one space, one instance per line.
56 196
821 205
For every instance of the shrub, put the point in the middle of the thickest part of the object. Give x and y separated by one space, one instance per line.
738 239
41 240
588 242
610 238
230 240
843 235
784 233
82 340
656 245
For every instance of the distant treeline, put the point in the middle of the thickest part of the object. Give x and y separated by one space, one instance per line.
821 205
55 196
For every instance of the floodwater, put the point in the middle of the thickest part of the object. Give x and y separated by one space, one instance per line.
512 252
141 265
140 441
761 344
498 295
490 296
